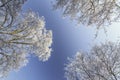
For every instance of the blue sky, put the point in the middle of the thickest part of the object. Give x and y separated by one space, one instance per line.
68 38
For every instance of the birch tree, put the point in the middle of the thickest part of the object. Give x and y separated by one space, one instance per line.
90 12
21 34
102 63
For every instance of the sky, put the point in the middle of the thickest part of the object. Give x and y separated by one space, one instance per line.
68 38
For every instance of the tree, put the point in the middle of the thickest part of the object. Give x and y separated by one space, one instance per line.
8 11
90 12
21 34
102 63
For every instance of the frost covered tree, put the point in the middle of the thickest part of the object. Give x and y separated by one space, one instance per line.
9 10
90 12
102 63
21 34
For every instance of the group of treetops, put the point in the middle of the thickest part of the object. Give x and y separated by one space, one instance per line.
24 33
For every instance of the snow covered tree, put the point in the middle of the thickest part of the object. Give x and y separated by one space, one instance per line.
21 34
90 12
102 63
8 11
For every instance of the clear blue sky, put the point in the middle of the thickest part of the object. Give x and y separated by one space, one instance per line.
68 38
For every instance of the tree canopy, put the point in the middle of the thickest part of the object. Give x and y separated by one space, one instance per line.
101 63
90 12
21 34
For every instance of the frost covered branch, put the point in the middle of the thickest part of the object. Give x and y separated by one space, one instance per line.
90 12
102 63
21 34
